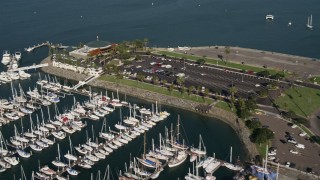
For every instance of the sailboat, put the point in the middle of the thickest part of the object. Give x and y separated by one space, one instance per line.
148 161
69 155
309 24
230 165
57 162
198 150
3 147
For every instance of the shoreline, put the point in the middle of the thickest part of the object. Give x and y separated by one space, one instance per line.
303 67
237 125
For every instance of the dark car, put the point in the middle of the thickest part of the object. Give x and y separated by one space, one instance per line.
283 141
292 165
309 170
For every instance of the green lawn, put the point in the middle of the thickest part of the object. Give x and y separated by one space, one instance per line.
262 148
302 100
216 62
156 89
225 106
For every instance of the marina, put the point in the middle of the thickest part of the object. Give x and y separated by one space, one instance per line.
42 105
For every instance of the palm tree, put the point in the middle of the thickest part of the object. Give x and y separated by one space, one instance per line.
145 43
205 94
180 80
171 88
232 91
190 90
155 80
164 82
227 51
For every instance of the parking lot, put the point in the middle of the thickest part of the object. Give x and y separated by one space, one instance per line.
309 157
211 77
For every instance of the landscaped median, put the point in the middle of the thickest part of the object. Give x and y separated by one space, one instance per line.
215 62
157 89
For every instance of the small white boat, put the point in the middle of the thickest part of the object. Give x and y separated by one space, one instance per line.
6 58
99 155
47 141
182 156
11 160
17 55
35 147
46 170
92 158
72 172
309 24
23 153
24 75
84 165
70 157
59 134
58 163
269 17
81 150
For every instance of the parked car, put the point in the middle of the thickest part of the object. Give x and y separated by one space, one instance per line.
288 164
301 146
302 134
291 140
294 126
283 141
293 151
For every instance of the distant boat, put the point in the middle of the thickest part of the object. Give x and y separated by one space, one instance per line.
6 58
309 24
269 17
17 55
289 23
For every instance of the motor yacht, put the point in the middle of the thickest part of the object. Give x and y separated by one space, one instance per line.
269 17
6 58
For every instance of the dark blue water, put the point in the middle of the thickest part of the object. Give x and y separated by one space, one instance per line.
165 23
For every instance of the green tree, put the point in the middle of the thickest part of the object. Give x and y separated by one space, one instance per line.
155 80
264 73
145 43
227 52
262 135
242 110
137 57
180 80
253 124
183 90
171 88
251 104
206 93
233 90
164 82
201 61
190 90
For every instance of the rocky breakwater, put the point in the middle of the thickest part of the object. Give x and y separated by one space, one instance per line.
237 124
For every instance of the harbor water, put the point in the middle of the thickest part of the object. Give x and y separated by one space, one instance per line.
164 23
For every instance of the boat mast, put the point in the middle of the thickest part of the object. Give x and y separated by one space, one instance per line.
178 130
231 154
144 145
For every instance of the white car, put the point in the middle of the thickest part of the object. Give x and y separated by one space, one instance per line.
288 164
294 126
271 158
301 146
293 151
302 134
